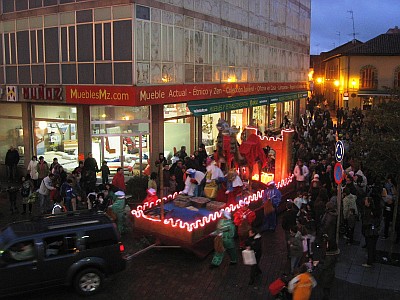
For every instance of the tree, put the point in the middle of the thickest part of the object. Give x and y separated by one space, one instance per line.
378 145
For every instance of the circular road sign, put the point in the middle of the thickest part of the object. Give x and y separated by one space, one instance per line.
339 151
338 173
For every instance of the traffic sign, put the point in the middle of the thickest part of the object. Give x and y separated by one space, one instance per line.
338 173
339 151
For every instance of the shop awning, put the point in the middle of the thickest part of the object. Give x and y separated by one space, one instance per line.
370 93
204 107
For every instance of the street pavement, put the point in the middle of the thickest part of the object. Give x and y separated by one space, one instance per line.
178 274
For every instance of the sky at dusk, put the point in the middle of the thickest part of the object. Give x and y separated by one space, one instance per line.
329 17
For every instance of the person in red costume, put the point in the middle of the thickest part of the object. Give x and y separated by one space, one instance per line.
119 180
151 196
243 218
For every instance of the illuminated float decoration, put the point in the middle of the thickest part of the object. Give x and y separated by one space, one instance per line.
188 233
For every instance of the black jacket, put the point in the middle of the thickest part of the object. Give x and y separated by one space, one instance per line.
289 219
254 242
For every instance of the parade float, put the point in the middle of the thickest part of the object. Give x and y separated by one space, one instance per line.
187 222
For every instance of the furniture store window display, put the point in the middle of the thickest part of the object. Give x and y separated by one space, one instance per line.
11 130
56 134
120 136
178 128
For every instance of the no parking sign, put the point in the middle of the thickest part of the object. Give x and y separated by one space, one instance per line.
338 173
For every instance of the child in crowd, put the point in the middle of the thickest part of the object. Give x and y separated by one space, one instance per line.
26 190
172 184
105 171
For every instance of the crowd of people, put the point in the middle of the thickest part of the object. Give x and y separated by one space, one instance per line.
57 191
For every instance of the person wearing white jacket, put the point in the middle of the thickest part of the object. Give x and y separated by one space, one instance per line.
301 174
32 170
192 182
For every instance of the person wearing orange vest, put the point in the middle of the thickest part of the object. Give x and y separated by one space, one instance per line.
301 286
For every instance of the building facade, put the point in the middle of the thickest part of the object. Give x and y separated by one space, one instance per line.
360 74
128 79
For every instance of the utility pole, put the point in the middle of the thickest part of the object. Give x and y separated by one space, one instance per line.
338 33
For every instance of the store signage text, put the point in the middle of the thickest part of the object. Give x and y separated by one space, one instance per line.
188 92
163 94
42 93
104 95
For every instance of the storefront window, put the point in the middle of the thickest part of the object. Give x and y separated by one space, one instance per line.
239 120
119 113
177 133
11 130
54 138
273 111
210 131
289 110
260 117
55 112
120 136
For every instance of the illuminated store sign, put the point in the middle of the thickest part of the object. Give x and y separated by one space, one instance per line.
164 94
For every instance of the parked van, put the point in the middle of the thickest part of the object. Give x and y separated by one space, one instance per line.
79 249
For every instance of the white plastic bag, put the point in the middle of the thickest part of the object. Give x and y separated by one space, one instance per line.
249 258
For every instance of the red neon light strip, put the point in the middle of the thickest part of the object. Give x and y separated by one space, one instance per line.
139 212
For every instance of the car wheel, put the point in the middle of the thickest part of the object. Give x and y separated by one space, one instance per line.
88 281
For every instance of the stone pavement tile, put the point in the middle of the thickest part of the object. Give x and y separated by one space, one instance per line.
371 276
389 278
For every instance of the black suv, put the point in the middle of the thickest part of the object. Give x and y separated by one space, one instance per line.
78 249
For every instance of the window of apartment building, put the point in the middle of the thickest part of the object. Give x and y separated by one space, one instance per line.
368 78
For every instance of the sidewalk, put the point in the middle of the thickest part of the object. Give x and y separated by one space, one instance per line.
383 274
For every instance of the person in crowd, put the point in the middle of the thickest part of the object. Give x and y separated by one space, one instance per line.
179 172
11 162
165 181
295 248
119 179
349 202
271 199
172 184
33 172
328 227
118 208
105 172
300 173
161 161
351 224
58 208
55 167
182 153
69 195
44 192
152 183
79 169
26 190
234 187
226 231
90 168
151 196
192 182
12 192
243 218
326 268
371 219
253 242
42 169
201 156
289 218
